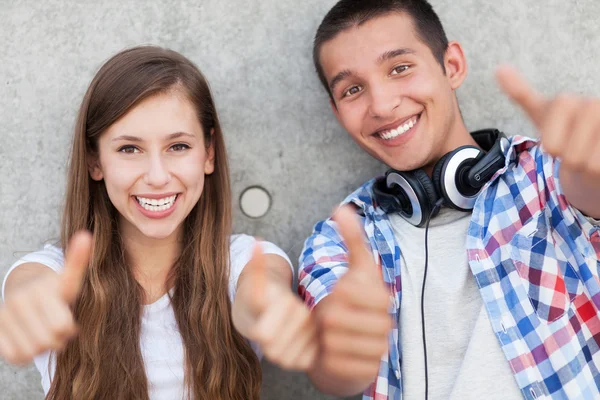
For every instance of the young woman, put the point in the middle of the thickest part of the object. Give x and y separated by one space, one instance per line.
143 301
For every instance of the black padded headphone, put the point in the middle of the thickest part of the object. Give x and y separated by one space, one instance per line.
457 178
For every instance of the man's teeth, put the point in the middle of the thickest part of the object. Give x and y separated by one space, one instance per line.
157 204
387 135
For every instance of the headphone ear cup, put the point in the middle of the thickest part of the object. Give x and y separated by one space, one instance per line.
429 196
420 196
450 177
436 176
389 199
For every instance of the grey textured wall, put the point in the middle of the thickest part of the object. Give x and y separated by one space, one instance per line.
276 118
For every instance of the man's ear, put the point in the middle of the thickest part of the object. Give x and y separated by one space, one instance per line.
209 163
94 168
455 63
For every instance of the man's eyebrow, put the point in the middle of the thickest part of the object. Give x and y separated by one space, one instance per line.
339 77
394 53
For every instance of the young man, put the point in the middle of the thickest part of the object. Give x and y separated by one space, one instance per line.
512 294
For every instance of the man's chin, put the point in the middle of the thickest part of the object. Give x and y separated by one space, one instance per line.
403 165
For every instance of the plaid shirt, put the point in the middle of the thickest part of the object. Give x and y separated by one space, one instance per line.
535 260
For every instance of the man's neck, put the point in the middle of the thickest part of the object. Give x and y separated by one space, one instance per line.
458 136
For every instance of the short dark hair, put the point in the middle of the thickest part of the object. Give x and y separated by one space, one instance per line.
349 13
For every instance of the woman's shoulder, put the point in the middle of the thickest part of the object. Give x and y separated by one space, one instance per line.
241 240
50 256
241 250
241 246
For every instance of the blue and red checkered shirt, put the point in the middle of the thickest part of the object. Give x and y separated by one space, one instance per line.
535 260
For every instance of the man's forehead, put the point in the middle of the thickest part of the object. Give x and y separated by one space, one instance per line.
368 41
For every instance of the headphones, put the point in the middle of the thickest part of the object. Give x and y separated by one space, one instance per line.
456 180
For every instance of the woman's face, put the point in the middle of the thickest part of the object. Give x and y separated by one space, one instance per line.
153 161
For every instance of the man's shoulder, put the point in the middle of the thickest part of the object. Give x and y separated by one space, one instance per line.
519 144
324 231
523 155
362 197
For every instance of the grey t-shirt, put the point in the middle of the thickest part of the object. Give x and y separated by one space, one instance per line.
465 360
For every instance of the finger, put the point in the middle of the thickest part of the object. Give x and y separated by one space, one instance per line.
593 165
307 358
302 351
296 319
39 335
558 123
76 262
357 321
7 349
356 346
584 134
351 367
359 257
355 293
23 349
257 271
520 91
271 322
59 319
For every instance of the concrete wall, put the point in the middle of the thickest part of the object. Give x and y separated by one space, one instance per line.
279 129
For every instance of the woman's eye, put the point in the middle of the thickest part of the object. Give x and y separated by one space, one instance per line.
399 69
180 147
352 91
128 149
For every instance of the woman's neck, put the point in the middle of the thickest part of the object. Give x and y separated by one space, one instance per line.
151 261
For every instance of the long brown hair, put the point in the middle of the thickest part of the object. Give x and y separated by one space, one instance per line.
104 361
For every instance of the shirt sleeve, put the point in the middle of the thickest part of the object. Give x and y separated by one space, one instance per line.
241 252
323 261
50 256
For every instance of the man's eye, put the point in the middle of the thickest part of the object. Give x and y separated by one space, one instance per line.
399 69
352 91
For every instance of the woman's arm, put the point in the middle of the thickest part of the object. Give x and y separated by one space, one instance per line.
36 315
268 312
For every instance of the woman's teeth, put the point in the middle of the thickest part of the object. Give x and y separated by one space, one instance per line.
402 129
157 204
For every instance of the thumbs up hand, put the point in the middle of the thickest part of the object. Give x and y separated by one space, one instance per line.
569 125
353 320
38 317
267 312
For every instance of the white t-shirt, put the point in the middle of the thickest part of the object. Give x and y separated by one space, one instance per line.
160 341
464 357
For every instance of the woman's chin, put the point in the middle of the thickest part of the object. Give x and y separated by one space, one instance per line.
157 233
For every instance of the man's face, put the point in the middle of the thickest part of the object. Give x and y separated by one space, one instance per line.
390 93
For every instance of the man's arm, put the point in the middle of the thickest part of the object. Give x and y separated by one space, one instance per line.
582 192
341 280
346 375
569 127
